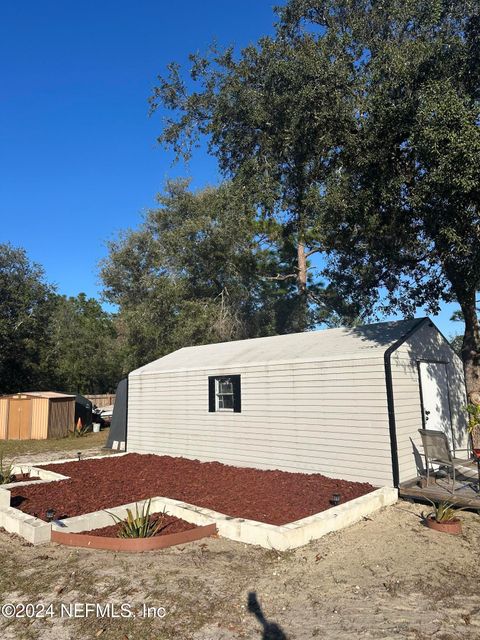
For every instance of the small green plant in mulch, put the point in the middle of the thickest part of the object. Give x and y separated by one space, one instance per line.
6 471
142 525
444 511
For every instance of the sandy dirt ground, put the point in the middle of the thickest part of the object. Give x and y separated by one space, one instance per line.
385 577
51 456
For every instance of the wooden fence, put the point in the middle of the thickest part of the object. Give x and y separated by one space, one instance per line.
102 400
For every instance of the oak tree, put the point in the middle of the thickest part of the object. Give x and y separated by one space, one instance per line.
275 116
403 220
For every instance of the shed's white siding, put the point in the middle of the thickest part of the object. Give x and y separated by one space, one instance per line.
428 344
328 417
311 402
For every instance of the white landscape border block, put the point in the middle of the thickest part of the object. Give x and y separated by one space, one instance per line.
291 535
44 475
282 537
34 530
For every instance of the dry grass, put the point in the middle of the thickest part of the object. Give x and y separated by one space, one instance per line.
14 448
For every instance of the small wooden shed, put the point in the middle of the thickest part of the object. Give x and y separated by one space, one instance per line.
36 415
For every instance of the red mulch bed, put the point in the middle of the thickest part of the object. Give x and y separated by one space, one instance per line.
170 525
275 497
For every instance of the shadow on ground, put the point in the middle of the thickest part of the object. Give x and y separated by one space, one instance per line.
271 630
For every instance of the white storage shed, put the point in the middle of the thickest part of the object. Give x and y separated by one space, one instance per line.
347 403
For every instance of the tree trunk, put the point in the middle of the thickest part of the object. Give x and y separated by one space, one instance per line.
302 315
471 347
302 268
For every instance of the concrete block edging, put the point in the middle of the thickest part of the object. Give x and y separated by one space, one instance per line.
32 529
279 537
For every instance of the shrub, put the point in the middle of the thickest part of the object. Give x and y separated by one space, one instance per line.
6 471
473 411
142 525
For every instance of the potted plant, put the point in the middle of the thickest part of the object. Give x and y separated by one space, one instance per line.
444 518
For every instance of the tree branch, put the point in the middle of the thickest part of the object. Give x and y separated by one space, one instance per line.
315 298
280 277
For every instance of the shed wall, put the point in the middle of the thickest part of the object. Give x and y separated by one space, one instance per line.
61 418
19 424
328 417
3 418
428 344
39 418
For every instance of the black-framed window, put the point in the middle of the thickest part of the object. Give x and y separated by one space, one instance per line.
224 393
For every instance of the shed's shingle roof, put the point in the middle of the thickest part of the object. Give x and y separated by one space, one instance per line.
366 341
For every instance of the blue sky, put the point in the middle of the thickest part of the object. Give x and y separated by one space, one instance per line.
78 156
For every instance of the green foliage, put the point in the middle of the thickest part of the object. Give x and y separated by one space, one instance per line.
6 471
407 201
199 269
351 136
473 411
84 350
141 525
26 302
49 341
276 117
444 511
81 430
402 222
456 342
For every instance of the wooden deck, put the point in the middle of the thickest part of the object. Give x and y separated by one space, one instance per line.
466 492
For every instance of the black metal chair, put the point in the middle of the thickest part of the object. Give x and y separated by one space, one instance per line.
437 451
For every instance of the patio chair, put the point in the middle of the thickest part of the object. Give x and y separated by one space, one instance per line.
437 451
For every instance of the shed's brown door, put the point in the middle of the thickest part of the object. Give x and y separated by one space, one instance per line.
19 419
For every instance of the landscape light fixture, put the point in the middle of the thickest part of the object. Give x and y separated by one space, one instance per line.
335 499
79 455
50 514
